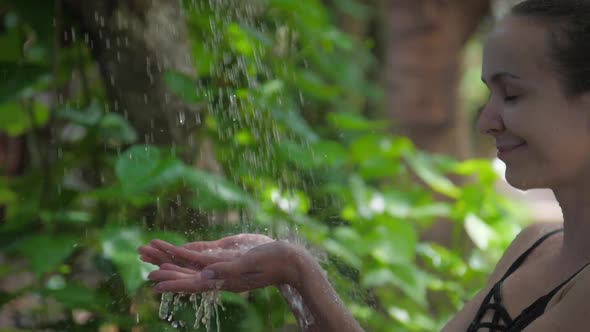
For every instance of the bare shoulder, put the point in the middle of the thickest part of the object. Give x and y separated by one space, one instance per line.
568 310
524 240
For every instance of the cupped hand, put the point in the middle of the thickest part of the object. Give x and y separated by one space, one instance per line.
237 263
200 253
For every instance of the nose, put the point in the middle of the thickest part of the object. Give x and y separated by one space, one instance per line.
490 120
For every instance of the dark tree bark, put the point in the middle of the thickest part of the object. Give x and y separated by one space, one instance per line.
424 40
134 43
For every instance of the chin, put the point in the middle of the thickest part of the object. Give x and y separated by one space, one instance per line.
523 183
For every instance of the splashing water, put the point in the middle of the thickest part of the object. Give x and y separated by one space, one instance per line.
205 306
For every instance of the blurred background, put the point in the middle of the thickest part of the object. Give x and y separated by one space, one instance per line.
345 125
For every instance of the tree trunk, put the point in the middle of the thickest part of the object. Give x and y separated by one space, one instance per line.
424 40
134 43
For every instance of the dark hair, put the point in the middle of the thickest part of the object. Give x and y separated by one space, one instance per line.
568 22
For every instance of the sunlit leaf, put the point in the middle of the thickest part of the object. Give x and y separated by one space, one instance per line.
120 246
424 168
353 121
215 192
15 119
393 241
479 231
137 165
341 251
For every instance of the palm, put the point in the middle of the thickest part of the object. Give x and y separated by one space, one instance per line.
241 262
196 255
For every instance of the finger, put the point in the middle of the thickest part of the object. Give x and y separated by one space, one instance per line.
186 255
164 275
172 267
202 245
157 256
168 253
148 259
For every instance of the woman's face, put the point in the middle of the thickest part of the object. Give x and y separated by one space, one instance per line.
542 135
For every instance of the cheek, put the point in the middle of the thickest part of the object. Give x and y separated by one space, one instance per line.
568 150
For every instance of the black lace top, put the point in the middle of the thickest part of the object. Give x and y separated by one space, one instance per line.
501 320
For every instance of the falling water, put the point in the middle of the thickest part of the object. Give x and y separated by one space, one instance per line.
225 104
205 305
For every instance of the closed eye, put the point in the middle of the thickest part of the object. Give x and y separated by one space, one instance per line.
509 99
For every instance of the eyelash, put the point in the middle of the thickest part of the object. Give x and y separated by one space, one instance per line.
509 99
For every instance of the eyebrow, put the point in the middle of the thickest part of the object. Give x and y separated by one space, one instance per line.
501 75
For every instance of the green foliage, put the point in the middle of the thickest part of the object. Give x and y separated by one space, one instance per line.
284 91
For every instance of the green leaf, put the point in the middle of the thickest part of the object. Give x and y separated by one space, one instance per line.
380 147
47 251
354 121
239 40
77 297
245 40
296 123
185 87
11 46
214 192
17 79
7 196
393 241
482 168
120 246
442 259
330 152
66 217
88 117
16 120
341 250
424 168
289 201
137 165
481 234
13 119
314 85
407 278
297 154
113 127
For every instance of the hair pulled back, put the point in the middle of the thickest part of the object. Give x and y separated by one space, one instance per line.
568 23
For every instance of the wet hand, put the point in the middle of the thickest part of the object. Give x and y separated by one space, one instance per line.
198 254
237 263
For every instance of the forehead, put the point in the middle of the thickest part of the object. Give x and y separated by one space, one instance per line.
519 46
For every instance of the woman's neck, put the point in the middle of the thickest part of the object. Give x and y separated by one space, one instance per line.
573 200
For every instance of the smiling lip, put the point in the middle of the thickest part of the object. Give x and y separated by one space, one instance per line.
504 149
